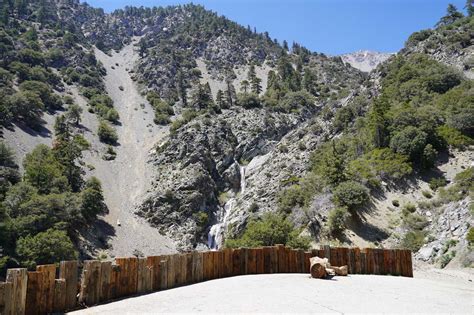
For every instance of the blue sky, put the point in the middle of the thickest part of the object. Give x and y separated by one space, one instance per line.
328 26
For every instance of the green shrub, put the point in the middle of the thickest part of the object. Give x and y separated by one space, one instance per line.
427 194
272 229
415 221
107 133
202 220
454 137
351 194
337 220
408 208
47 247
395 203
437 182
162 119
413 240
470 236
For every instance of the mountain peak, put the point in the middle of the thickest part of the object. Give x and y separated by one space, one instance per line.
365 60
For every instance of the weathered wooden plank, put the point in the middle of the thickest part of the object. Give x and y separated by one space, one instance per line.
251 261
410 264
307 256
398 268
198 267
189 268
59 301
68 270
333 260
282 259
171 266
19 278
6 297
180 270
105 280
90 283
48 286
114 286
205 265
403 263
164 273
236 261
292 261
260 262
34 294
215 265
363 262
369 257
274 259
267 258
350 260
145 276
228 262
357 264
153 263
243 261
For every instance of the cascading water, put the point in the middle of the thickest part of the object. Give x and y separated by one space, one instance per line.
216 233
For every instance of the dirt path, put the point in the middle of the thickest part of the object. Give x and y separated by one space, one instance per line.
128 177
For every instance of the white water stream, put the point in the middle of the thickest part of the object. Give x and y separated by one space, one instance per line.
215 237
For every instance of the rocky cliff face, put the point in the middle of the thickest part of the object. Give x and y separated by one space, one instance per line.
365 60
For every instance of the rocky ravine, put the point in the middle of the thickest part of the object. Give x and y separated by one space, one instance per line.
127 178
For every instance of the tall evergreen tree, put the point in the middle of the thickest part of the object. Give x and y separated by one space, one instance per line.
452 14
469 7
244 86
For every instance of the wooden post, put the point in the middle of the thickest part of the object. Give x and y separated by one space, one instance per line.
357 265
189 268
105 280
274 259
363 262
90 283
68 270
292 261
236 262
307 265
282 259
198 267
243 260
171 265
145 276
48 285
260 262
153 263
6 291
19 278
267 258
228 266
410 264
35 293
163 274
252 262
59 302
398 268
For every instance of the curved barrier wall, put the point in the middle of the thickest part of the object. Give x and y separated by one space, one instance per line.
51 289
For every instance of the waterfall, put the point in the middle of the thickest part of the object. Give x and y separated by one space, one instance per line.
242 178
215 237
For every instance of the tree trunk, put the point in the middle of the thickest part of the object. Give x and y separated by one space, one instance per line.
318 267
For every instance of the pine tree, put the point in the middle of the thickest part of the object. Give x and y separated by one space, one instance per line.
230 93
452 14
285 45
255 85
469 7
182 89
220 100
68 151
244 86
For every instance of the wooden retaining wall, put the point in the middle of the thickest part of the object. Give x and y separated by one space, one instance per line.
50 289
